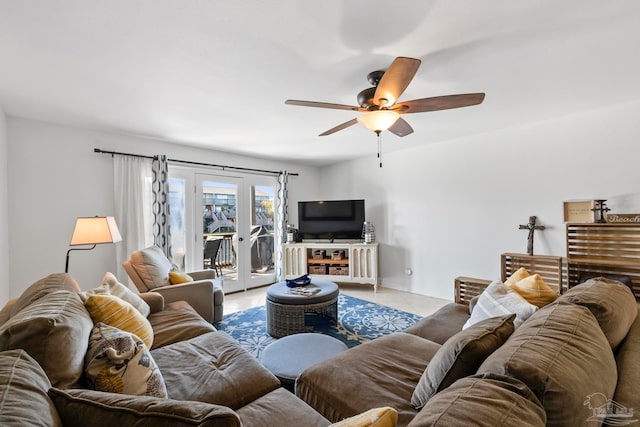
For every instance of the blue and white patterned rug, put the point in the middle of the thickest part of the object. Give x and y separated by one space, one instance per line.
358 321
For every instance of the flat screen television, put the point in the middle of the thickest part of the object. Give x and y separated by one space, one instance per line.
331 219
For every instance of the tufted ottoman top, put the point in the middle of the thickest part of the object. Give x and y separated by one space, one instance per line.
282 294
287 357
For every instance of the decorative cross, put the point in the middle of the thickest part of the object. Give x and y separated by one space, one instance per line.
531 226
600 208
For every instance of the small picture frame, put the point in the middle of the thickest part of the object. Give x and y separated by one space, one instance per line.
580 211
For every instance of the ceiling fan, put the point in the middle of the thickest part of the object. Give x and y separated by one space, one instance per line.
380 106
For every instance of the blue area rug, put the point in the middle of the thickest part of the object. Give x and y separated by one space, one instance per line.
358 321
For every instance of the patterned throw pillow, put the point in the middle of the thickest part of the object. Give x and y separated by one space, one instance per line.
119 362
118 313
498 300
111 286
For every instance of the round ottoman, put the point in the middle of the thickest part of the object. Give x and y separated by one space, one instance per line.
286 309
287 357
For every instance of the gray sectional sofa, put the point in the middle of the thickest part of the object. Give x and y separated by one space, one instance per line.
574 362
209 378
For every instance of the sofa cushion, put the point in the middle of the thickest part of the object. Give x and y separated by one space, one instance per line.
233 377
5 313
611 302
535 290
498 300
152 266
382 372
561 354
108 409
375 417
23 392
111 286
118 313
119 362
280 408
461 356
490 400
44 286
54 330
177 322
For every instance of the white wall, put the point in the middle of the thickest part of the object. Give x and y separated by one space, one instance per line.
452 208
4 213
55 177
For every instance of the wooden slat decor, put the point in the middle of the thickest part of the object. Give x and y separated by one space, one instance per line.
469 287
606 249
549 267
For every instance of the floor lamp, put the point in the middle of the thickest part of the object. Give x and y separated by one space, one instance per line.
93 231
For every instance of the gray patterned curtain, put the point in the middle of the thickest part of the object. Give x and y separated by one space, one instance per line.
160 188
282 219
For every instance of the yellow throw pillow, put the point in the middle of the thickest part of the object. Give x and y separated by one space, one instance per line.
118 313
520 274
176 277
535 291
376 417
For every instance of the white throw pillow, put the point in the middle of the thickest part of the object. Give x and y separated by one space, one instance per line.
111 286
498 300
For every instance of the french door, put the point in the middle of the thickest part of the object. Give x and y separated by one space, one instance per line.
235 215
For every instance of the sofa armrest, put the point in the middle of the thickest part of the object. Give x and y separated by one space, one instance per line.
203 274
82 407
154 300
628 361
198 294
441 325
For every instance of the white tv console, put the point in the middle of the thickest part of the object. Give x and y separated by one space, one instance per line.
359 263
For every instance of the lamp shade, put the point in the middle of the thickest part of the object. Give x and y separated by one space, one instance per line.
95 230
378 120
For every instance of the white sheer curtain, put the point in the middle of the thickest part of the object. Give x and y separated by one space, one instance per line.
133 201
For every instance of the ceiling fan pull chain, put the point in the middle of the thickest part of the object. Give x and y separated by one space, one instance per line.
379 149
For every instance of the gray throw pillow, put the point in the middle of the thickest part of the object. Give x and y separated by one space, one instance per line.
461 356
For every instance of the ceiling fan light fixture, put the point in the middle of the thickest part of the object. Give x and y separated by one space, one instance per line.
378 120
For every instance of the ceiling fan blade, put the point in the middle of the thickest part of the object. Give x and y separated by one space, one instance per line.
439 103
321 105
401 128
395 80
340 127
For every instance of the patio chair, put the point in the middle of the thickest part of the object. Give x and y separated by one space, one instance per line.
149 270
211 249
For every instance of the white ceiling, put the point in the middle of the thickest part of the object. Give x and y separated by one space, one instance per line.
216 73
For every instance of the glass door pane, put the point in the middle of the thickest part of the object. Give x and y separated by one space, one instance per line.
262 238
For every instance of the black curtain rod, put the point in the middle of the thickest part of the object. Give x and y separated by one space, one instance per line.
223 167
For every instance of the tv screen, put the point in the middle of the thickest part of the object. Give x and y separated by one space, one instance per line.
331 219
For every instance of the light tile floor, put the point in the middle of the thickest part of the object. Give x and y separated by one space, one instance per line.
405 301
